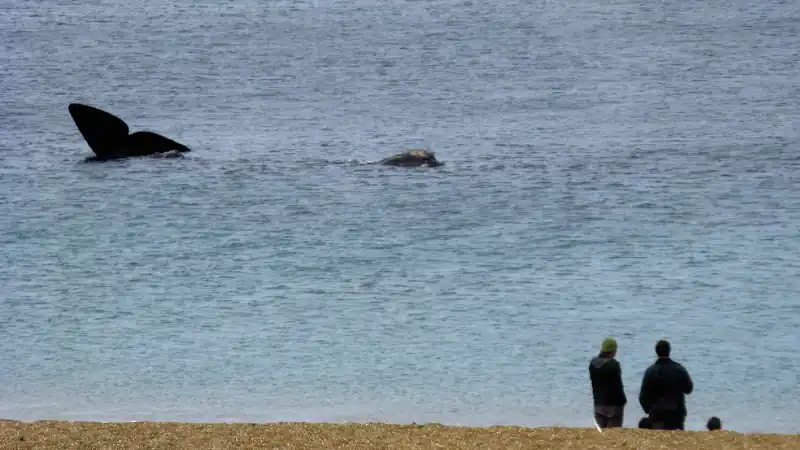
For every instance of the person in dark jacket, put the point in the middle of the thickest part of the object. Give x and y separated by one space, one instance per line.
607 389
664 387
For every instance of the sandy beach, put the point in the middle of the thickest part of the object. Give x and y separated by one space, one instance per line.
163 435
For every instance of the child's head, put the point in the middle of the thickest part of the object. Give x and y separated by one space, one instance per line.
714 424
645 423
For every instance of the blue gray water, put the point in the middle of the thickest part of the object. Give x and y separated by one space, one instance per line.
620 168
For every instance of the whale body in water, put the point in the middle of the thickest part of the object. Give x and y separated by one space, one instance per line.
412 158
109 136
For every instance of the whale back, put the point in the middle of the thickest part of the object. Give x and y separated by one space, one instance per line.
412 158
418 153
104 132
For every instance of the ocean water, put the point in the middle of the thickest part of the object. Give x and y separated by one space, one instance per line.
626 168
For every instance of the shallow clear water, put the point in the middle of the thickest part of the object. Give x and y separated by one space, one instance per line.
620 168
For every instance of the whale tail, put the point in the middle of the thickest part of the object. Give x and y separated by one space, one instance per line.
143 143
107 135
104 132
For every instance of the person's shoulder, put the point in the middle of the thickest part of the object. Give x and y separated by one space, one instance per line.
612 365
674 363
602 362
680 366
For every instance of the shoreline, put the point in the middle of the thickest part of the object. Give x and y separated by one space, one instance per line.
54 434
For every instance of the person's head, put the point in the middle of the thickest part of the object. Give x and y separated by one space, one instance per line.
714 424
609 346
662 349
646 423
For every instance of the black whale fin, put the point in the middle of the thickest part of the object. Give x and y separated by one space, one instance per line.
107 135
143 143
104 132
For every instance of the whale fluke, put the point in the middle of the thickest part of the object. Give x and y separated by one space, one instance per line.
148 143
412 158
108 135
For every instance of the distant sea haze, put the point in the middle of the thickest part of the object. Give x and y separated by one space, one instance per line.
618 168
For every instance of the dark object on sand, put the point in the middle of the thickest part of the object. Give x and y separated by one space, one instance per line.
714 424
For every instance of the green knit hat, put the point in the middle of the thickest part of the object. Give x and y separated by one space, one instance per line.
609 345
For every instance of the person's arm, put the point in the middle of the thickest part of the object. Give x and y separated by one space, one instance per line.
619 387
688 385
645 394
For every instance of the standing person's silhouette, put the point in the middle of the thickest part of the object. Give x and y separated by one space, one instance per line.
607 390
664 387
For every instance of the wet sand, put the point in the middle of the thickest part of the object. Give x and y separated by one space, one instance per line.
164 435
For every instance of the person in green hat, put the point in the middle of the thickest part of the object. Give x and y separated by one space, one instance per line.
607 389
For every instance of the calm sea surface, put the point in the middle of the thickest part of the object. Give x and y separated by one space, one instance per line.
626 168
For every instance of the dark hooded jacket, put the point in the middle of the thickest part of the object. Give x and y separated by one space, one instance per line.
606 376
664 388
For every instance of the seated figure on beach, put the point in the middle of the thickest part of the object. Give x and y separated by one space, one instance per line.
664 388
714 424
607 389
